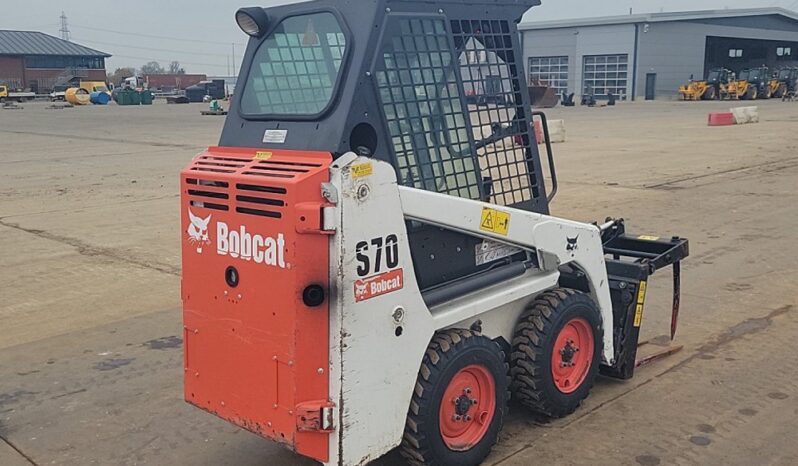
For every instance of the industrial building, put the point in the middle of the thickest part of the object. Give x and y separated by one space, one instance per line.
37 61
650 55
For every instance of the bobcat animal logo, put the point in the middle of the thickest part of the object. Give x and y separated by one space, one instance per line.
198 231
572 243
360 288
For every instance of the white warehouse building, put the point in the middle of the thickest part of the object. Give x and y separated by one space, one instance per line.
650 55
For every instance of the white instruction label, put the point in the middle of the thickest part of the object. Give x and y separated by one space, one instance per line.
275 136
490 251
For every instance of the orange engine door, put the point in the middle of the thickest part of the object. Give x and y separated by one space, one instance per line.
256 352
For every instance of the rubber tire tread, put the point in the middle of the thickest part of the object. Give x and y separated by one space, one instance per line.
422 428
530 358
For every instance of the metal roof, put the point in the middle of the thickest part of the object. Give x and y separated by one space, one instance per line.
660 17
39 43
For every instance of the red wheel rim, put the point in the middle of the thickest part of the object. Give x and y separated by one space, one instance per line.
572 355
467 408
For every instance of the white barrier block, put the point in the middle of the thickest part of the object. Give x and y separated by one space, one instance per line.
744 115
557 130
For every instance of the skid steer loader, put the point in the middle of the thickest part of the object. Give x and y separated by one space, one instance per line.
371 263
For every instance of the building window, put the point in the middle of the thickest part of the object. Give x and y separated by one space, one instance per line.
735 53
605 74
783 53
552 71
59 61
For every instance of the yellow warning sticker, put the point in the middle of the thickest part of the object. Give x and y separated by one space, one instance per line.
638 315
641 298
495 221
641 294
361 170
262 155
648 238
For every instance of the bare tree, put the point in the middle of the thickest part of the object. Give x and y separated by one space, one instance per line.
120 74
152 67
175 68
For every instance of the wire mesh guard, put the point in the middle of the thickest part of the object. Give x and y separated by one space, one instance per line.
439 145
421 101
490 74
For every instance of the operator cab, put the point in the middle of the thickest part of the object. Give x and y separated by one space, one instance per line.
400 81
718 76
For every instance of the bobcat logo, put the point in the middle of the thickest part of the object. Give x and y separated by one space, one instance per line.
360 288
572 244
198 231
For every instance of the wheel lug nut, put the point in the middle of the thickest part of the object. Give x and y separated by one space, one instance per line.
467 418
467 390
457 417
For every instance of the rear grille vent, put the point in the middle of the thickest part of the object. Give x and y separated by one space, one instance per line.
260 200
280 169
209 194
204 186
209 163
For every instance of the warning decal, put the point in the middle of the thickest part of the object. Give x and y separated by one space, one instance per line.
275 136
495 221
361 170
379 285
641 298
648 238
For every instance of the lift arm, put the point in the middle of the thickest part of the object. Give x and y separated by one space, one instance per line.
553 240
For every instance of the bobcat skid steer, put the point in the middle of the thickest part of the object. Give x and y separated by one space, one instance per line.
371 263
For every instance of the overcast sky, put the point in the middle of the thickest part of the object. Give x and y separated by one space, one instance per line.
202 34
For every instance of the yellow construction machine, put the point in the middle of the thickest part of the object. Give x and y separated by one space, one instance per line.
750 84
738 88
707 89
780 84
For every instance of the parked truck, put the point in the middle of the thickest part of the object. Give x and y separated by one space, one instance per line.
6 94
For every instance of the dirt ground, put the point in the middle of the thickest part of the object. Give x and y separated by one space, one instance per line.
90 354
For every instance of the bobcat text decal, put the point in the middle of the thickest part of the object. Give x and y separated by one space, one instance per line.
378 285
373 257
241 244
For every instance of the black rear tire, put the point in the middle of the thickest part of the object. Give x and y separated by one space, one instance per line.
751 93
533 382
447 355
710 94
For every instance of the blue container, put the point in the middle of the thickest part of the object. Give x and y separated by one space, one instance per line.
100 98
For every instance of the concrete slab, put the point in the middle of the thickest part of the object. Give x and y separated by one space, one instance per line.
11 457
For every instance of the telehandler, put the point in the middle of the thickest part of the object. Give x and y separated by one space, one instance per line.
750 84
371 263
787 79
708 89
